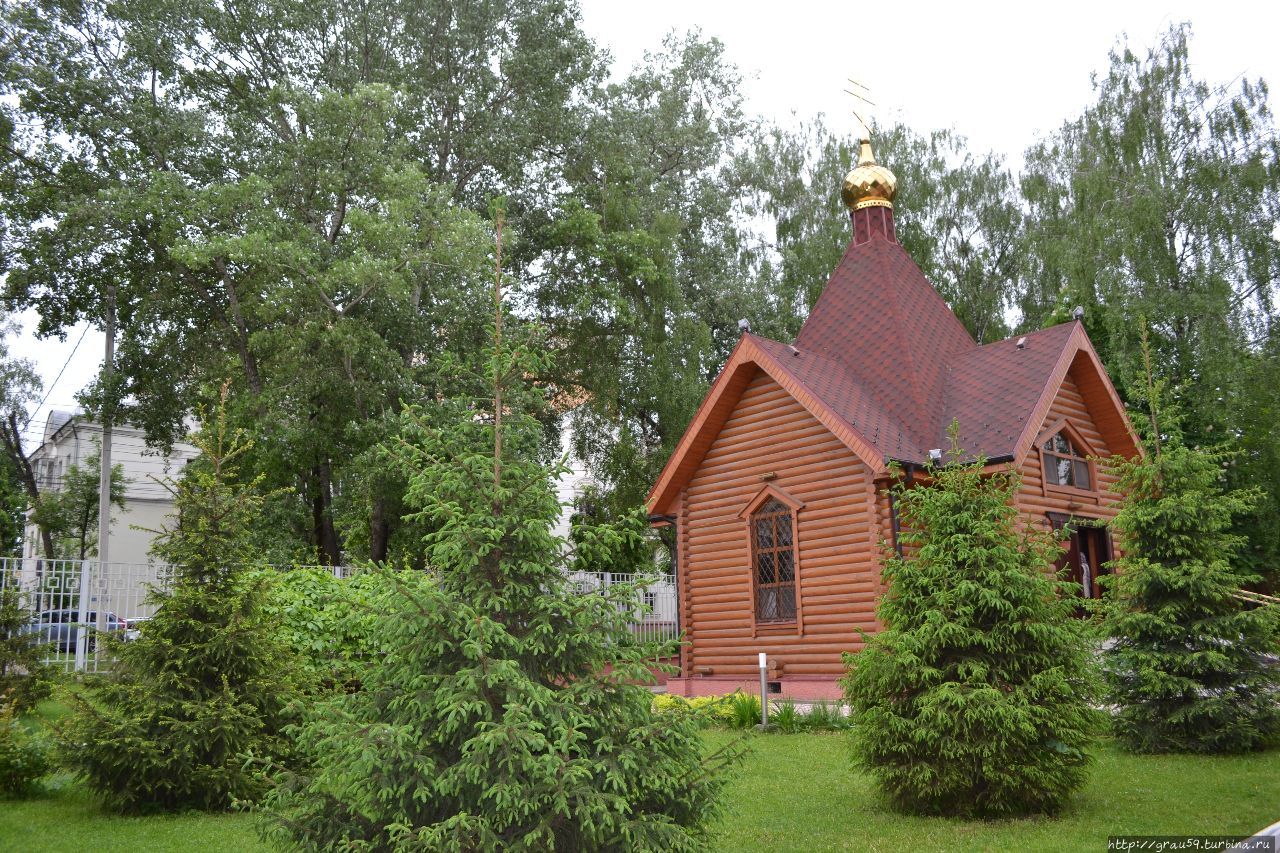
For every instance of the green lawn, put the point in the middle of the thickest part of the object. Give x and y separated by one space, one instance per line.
793 792
798 792
67 819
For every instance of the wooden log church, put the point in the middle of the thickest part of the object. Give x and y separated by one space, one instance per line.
778 490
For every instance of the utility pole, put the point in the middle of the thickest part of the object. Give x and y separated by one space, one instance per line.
87 584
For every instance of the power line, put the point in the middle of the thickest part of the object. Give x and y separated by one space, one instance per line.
65 364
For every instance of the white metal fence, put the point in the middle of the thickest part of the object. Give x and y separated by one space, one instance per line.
653 616
66 621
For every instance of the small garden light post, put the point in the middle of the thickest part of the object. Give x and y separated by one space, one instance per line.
764 689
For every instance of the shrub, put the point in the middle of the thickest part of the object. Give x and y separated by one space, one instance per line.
744 710
974 699
24 757
328 622
786 716
505 710
708 710
1187 665
24 680
822 716
207 686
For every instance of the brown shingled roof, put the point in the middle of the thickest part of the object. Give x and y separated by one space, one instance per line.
884 363
991 390
882 320
846 396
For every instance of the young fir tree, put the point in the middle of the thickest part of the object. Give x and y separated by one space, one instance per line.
974 699
24 680
1187 663
207 686
506 711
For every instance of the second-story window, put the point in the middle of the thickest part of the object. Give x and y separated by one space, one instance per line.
1065 463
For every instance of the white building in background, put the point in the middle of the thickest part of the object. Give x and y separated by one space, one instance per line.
70 439
571 485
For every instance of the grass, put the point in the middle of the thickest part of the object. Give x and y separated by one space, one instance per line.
799 792
792 792
67 819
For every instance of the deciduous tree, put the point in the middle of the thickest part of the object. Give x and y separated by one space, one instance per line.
1159 202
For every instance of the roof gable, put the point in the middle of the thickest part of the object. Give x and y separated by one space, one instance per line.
753 354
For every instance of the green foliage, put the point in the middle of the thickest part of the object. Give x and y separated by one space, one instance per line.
707 710
13 508
786 716
1159 201
822 716
744 710
636 272
19 388
974 699
70 513
24 757
207 686
1187 664
24 680
504 710
281 192
329 622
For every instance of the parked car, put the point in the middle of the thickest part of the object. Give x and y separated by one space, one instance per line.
61 628
133 629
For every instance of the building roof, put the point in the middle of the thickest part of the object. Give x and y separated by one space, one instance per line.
884 363
882 320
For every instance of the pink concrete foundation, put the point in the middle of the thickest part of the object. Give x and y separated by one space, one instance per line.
797 688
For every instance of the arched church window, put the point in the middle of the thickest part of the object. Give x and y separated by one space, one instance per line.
774 557
1066 463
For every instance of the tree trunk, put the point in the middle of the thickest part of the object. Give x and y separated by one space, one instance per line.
248 362
379 530
12 438
326 536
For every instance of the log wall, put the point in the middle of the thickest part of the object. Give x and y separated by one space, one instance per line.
840 531
837 531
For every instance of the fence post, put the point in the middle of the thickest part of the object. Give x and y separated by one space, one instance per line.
82 617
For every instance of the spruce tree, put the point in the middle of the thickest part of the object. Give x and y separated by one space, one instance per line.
1189 664
506 710
974 699
206 688
24 679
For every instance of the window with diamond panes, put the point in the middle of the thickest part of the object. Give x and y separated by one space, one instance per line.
773 529
1065 464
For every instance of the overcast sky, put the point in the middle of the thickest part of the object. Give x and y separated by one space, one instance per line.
1001 74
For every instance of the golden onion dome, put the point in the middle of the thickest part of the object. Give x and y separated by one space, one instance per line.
869 184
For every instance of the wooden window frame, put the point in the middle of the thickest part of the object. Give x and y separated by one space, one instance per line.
771 492
1064 425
